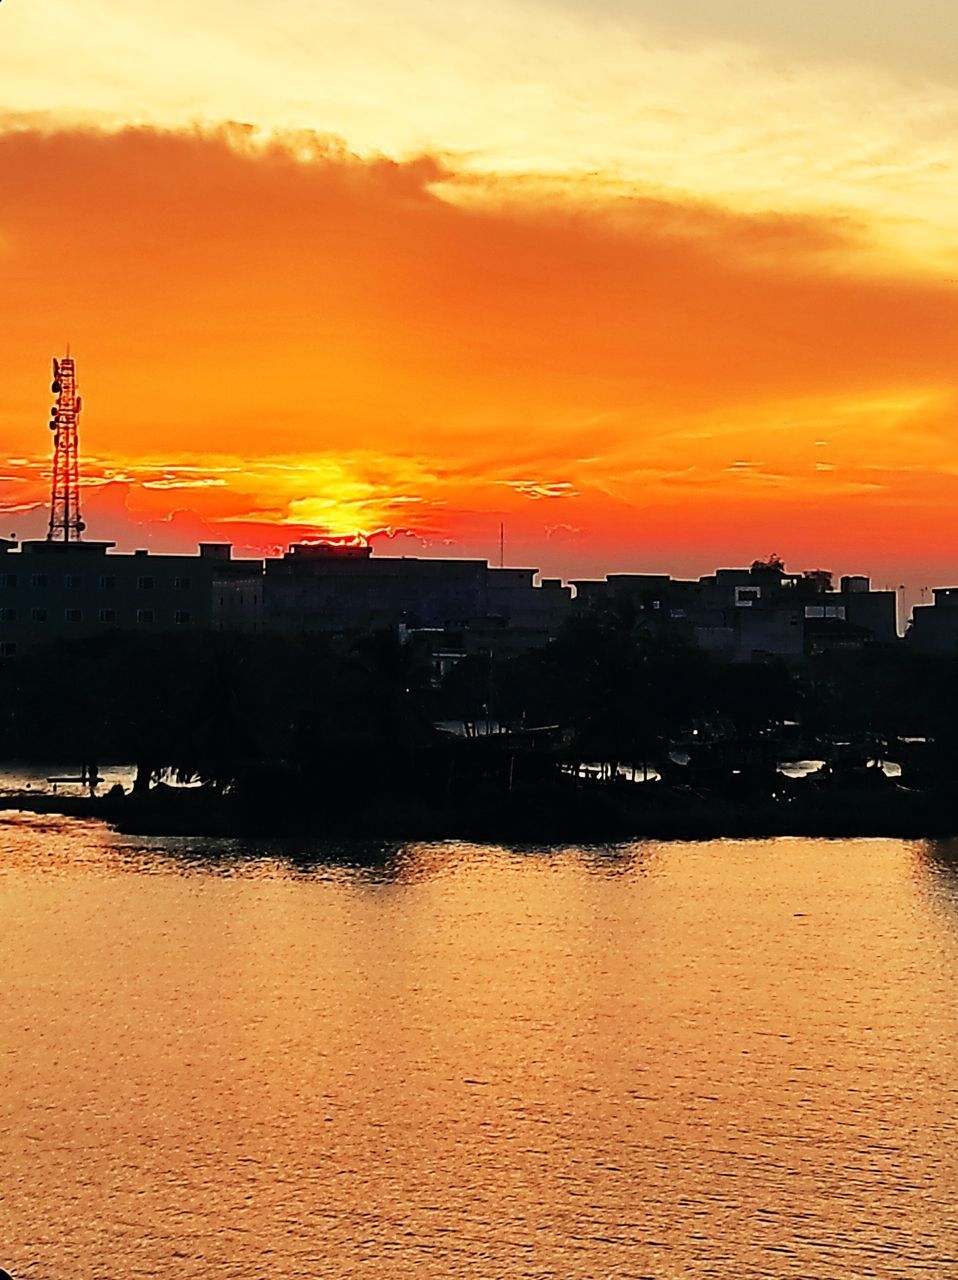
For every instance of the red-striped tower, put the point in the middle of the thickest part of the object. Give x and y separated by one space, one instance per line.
65 522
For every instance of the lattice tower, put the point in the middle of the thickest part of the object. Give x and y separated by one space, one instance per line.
66 523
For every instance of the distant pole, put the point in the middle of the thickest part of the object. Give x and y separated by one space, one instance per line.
502 544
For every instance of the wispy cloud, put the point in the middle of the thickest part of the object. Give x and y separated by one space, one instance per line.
537 489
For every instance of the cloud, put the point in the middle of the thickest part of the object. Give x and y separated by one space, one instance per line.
286 291
537 489
282 337
774 119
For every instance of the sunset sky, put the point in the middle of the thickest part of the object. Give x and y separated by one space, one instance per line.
659 284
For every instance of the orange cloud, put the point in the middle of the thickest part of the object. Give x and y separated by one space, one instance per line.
277 334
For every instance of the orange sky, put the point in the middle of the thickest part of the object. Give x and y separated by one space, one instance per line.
278 334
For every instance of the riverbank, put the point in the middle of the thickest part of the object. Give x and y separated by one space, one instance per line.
545 814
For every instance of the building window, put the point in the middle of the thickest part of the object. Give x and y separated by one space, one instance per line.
8 615
38 615
144 615
8 649
108 582
73 615
145 584
40 580
9 579
108 615
72 580
182 584
183 616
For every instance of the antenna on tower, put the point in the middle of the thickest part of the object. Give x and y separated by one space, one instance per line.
65 520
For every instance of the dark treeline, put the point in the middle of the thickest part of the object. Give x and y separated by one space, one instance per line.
340 734
626 692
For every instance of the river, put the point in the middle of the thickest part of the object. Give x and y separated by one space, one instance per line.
725 1059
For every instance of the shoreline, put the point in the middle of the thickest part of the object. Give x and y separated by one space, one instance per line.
548 817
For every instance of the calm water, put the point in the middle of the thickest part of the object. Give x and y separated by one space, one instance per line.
727 1059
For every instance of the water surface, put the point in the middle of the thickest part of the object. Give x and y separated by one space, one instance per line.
725 1059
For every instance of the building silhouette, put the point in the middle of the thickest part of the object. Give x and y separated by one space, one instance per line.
463 604
754 613
934 627
52 589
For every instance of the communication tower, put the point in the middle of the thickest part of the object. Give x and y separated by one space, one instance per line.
65 522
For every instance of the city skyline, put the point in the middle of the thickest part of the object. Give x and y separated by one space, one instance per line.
658 287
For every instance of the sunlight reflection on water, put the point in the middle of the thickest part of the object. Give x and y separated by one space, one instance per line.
730 1059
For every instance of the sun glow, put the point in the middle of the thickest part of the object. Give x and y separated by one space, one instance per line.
627 287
